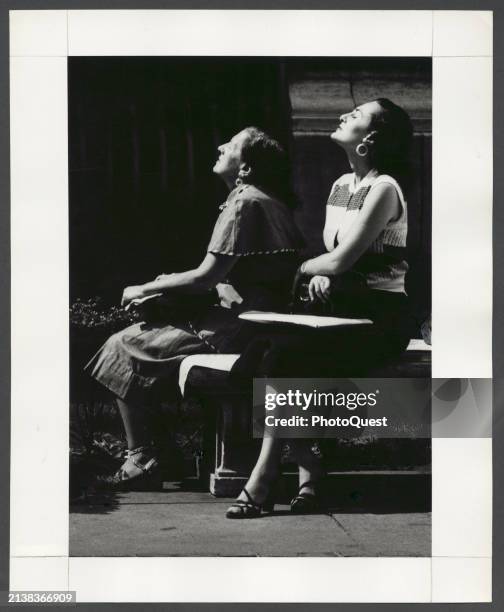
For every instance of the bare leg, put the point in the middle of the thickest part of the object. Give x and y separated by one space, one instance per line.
133 418
134 423
265 470
310 468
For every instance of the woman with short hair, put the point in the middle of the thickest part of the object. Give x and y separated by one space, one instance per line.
250 259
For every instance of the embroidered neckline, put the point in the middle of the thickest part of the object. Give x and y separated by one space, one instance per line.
353 188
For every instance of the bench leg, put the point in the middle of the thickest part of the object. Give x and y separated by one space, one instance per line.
235 450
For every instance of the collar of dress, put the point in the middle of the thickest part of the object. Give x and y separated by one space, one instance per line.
353 185
238 189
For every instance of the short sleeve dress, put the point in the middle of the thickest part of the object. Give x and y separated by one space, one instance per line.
141 362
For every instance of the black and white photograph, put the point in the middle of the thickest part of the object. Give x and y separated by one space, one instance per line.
252 306
204 194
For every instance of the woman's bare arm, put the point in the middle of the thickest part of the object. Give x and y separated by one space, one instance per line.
381 205
211 271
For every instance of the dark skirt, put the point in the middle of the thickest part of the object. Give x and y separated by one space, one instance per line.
292 352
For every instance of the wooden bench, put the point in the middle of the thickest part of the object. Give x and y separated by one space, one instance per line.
230 451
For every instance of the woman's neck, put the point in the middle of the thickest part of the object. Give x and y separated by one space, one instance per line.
230 182
360 165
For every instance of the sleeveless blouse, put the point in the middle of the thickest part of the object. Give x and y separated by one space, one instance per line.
383 264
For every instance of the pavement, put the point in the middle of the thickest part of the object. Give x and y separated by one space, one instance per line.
179 522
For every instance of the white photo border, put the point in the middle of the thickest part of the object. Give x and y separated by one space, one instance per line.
460 43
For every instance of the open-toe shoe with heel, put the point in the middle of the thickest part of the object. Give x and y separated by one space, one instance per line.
305 502
242 509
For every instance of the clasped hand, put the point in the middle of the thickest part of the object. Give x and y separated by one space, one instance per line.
319 288
228 295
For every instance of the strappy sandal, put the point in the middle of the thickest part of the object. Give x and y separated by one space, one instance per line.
249 509
305 503
149 477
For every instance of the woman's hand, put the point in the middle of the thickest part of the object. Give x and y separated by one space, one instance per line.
319 288
228 295
132 293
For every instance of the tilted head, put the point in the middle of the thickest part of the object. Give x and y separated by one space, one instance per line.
253 157
380 130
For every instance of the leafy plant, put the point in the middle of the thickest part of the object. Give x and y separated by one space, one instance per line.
93 313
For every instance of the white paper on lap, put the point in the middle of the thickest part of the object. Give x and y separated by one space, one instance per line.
316 321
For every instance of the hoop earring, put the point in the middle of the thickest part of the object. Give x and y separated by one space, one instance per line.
361 150
238 181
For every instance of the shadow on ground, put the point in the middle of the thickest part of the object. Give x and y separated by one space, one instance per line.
353 495
103 503
180 522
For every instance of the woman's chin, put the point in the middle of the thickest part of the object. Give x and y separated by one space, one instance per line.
335 136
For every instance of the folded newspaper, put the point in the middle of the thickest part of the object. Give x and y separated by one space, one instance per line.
258 316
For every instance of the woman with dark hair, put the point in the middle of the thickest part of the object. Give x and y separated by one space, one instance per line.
250 260
361 275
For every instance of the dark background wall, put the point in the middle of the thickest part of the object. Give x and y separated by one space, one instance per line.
320 91
143 137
